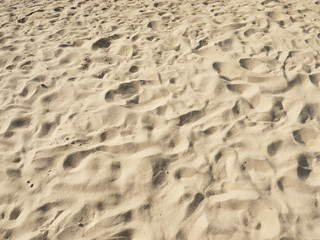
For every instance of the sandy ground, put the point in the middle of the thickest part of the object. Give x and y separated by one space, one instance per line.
159 119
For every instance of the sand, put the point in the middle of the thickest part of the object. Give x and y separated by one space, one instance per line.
159 119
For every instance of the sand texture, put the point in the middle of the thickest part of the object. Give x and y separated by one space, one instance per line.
159 120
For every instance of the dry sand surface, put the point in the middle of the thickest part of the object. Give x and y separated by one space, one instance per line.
159 120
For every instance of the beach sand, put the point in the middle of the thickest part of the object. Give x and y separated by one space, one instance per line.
159 120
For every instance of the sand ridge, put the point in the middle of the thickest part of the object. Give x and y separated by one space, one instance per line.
159 119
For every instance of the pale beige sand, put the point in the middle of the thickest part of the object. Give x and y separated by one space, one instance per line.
159 119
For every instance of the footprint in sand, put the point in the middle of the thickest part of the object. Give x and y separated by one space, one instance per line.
304 135
227 70
123 91
261 66
308 112
303 170
315 79
74 159
15 213
101 43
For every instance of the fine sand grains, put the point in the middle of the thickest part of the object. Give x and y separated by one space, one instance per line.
159 119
